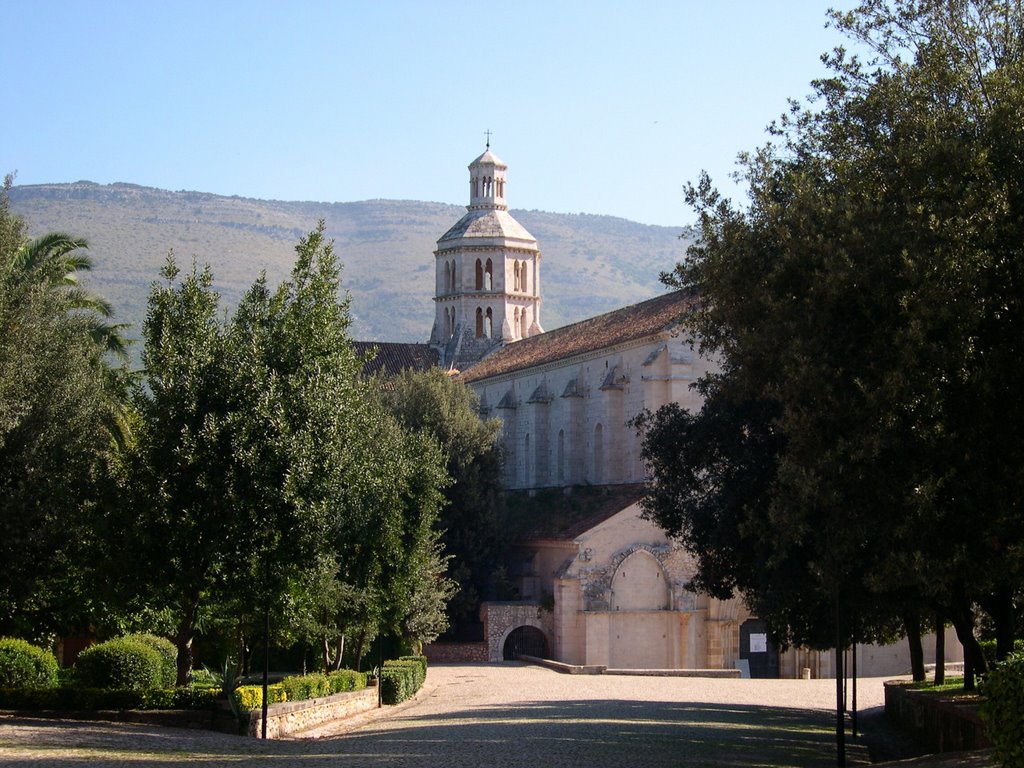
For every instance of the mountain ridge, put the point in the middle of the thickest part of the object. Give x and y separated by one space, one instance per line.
592 263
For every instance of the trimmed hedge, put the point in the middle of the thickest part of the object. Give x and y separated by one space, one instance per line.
23 665
168 656
1003 710
401 678
83 699
121 663
300 688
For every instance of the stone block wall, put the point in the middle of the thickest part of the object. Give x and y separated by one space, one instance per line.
440 653
291 717
938 723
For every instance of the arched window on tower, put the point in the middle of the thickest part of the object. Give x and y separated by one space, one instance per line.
515 275
489 276
522 324
488 321
524 277
479 275
479 322
451 322
447 277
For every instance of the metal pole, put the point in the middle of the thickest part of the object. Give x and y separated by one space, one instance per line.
840 702
853 714
266 667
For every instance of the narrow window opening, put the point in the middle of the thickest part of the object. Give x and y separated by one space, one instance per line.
479 275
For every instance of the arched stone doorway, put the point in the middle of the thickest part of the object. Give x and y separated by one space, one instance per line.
757 648
525 640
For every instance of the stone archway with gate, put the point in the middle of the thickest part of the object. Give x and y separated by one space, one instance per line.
526 640
517 627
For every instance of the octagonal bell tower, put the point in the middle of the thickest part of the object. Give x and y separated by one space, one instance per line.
487 273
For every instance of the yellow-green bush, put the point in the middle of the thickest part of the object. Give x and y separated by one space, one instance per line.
251 696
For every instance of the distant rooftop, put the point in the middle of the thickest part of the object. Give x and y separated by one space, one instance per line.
621 325
394 357
551 513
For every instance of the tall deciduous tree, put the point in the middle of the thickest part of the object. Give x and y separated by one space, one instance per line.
870 297
265 469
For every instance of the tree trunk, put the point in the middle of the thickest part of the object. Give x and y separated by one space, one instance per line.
912 625
183 639
999 606
974 659
341 652
359 647
940 649
325 649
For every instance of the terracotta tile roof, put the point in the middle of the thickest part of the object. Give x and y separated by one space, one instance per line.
551 514
621 325
393 357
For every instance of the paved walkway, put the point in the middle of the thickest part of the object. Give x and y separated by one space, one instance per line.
499 715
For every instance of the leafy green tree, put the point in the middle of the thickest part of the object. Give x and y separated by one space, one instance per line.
267 478
869 297
433 402
177 532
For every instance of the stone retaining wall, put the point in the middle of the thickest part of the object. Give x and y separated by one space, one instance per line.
939 723
440 653
290 717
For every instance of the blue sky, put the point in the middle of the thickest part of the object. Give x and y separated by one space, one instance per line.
598 107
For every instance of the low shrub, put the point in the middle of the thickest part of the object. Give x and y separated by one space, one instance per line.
400 679
300 687
1003 710
121 663
344 680
168 656
248 697
23 665
316 684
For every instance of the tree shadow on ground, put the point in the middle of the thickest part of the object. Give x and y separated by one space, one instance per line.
595 733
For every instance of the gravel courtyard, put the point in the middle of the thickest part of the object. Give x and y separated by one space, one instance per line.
499 715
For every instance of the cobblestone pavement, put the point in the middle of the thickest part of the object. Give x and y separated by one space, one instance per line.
498 715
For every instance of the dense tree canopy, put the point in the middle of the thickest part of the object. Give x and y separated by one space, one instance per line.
433 402
866 308
61 412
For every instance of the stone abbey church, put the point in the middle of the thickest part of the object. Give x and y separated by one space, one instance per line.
599 584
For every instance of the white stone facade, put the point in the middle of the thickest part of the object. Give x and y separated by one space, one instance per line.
566 423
